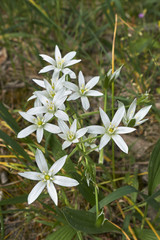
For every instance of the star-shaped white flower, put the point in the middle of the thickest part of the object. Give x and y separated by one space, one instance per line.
83 91
52 106
60 64
47 178
130 118
70 135
111 129
39 124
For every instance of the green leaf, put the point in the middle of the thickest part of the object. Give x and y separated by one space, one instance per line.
86 222
15 200
7 117
146 234
154 169
15 146
120 192
65 232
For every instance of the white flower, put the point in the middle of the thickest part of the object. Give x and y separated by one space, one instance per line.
83 91
47 178
60 64
39 124
130 118
52 106
70 135
111 129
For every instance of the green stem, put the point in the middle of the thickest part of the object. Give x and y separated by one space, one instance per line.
145 214
79 235
96 200
113 161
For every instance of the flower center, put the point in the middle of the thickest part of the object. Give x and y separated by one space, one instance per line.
83 90
50 106
46 177
60 63
40 121
70 136
52 93
111 129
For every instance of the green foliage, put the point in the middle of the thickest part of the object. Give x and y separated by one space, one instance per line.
64 232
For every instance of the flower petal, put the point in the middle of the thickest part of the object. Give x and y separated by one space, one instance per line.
132 109
73 127
36 191
32 175
92 82
56 167
62 115
39 134
81 132
66 144
27 131
120 143
52 192
118 116
69 72
52 128
142 113
69 56
39 82
65 181
63 126
104 140
57 53
95 129
63 136
72 62
41 161
71 86
85 102
28 117
47 59
74 96
81 80
140 122
104 117
37 110
94 93
123 130
46 69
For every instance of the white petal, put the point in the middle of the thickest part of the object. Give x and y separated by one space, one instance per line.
28 117
65 181
92 82
57 53
104 117
69 72
27 131
104 140
118 116
48 86
32 175
81 132
47 117
94 93
71 86
32 97
123 130
81 80
52 128
142 113
69 56
63 136
62 115
36 191
66 144
39 82
46 69
55 75
39 134
63 126
96 129
73 127
132 109
74 96
41 161
85 102
57 165
37 110
47 59
52 192
72 62
120 143
140 122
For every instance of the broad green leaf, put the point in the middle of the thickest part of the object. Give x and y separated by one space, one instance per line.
86 222
15 146
120 192
64 232
154 169
15 200
7 117
146 234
